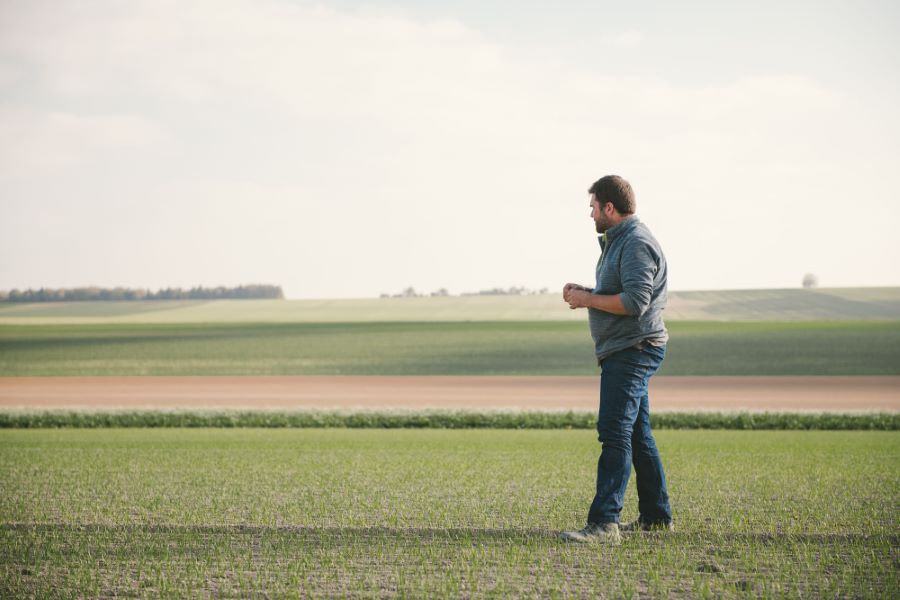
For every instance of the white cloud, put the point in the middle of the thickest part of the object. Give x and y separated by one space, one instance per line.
629 39
434 82
36 143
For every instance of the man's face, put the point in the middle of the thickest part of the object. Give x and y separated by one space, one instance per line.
600 214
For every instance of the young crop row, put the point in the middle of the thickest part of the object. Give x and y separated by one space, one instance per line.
441 420
303 563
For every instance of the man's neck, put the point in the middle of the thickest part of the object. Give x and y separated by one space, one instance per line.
621 219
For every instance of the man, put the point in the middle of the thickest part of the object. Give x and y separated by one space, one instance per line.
625 316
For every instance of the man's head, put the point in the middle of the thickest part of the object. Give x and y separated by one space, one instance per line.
612 200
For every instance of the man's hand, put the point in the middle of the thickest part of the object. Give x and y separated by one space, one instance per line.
578 296
579 299
569 292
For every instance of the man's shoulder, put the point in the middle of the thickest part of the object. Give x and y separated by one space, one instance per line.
640 234
641 229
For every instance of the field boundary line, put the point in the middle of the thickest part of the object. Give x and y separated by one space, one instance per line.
435 419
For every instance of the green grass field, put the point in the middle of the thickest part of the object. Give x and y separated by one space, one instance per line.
438 348
310 513
462 513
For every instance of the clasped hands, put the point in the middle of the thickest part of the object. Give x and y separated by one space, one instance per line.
577 296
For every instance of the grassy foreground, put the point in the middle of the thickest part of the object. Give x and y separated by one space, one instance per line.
19 419
460 348
370 513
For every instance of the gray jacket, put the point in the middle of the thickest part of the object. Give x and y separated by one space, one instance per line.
632 264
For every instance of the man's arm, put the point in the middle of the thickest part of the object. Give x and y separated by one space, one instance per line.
639 265
611 303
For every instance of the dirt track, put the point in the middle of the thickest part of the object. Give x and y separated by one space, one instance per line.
534 393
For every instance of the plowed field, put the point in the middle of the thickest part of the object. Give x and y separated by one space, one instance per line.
533 393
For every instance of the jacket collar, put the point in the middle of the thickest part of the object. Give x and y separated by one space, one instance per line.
617 230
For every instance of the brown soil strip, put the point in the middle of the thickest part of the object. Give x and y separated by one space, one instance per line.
371 393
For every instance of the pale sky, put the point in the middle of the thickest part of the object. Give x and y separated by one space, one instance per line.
345 149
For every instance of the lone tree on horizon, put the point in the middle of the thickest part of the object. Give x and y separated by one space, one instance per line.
810 281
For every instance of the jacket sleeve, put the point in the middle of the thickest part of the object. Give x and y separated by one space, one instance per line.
638 268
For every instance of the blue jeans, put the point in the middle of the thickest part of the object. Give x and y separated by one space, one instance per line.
623 425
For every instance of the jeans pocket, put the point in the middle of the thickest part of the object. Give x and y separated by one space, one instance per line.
658 352
650 357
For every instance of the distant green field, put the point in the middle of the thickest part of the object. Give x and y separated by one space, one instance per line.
727 305
369 513
467 348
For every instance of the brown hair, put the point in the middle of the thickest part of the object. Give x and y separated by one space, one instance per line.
613 188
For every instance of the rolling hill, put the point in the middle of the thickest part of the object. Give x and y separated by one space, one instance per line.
728 305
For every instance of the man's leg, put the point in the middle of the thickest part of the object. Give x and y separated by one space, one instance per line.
653 497
623 383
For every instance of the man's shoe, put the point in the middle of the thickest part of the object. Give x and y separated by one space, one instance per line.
639 525
604 533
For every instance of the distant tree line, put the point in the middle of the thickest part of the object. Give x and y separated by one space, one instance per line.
411 292
512 291
241 292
